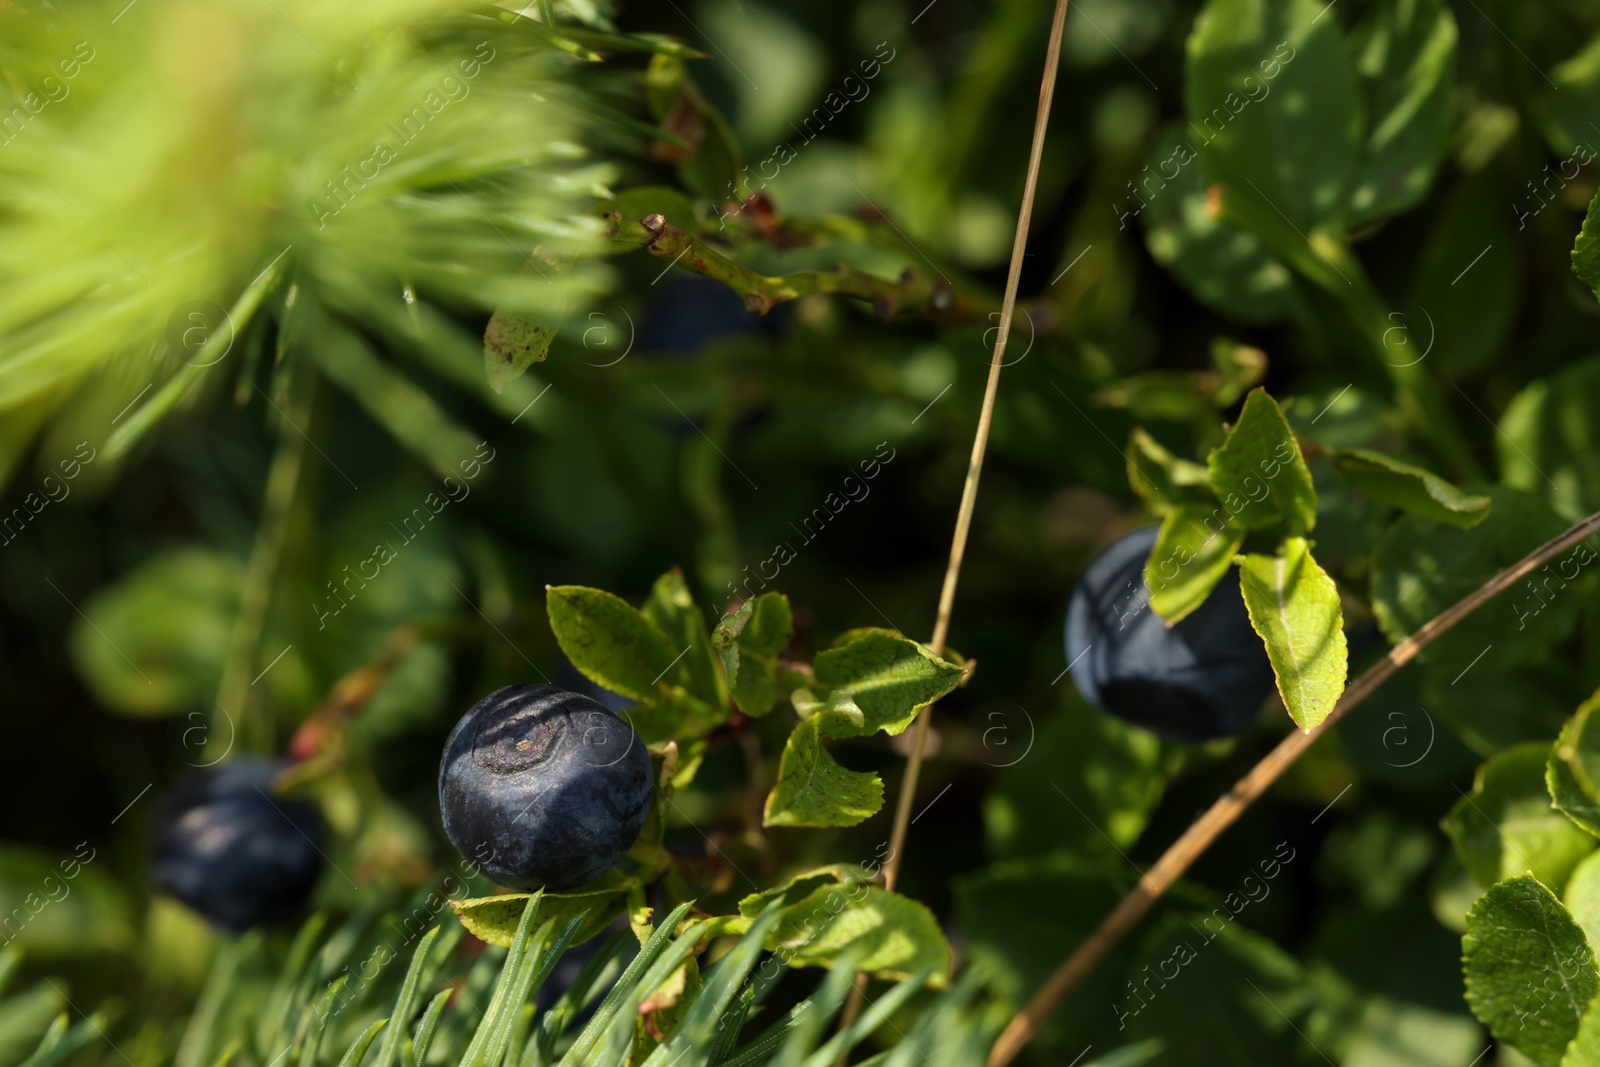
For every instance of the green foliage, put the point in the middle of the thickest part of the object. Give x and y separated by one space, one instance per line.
1571 769
1411 489
1507 824
1529 970
1294 606
1373 211
748 641
1261 452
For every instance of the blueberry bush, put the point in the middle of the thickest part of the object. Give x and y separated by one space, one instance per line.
596 532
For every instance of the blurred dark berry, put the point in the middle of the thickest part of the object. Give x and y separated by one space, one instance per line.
1206 677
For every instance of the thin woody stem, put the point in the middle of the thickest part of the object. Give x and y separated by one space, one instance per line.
980 442
969 491
1188 848
932 298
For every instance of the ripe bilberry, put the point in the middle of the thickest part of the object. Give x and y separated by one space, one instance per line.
542 787
1203 678
234 852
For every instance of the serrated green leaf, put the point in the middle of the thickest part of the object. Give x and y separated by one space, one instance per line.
612 642
1193 551
1529 971
1572 772
1405 54
1294 606
1586 249
749 641
797 887
494 919
1258 472
888 677
1411 489
1162 480
1507 826
813 789
828 910
673 611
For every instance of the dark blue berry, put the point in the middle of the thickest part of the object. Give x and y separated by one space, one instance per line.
225 845
542 787
1203 678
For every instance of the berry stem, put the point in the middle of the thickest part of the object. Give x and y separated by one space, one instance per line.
1194 842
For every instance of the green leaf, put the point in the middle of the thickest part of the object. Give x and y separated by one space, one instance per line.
1162 480
831 910
797 887
513 342
1411 489
887 678
1270 84
1421 567
1549 440
1586 249
1020 919
813 789
749 641
1239 367
1569 107
62 904
1235 996
1572 773
1530 974
1294 606
1222 265
1258 472
706 152
1405 54
1098 779
494 919
1584 1049
1507 826
1190 557
673 611
612 642
153 642
1462 320
1582 896
663 200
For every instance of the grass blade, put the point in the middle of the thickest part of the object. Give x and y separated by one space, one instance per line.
422 1037
405 1004
358 1047
648 954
